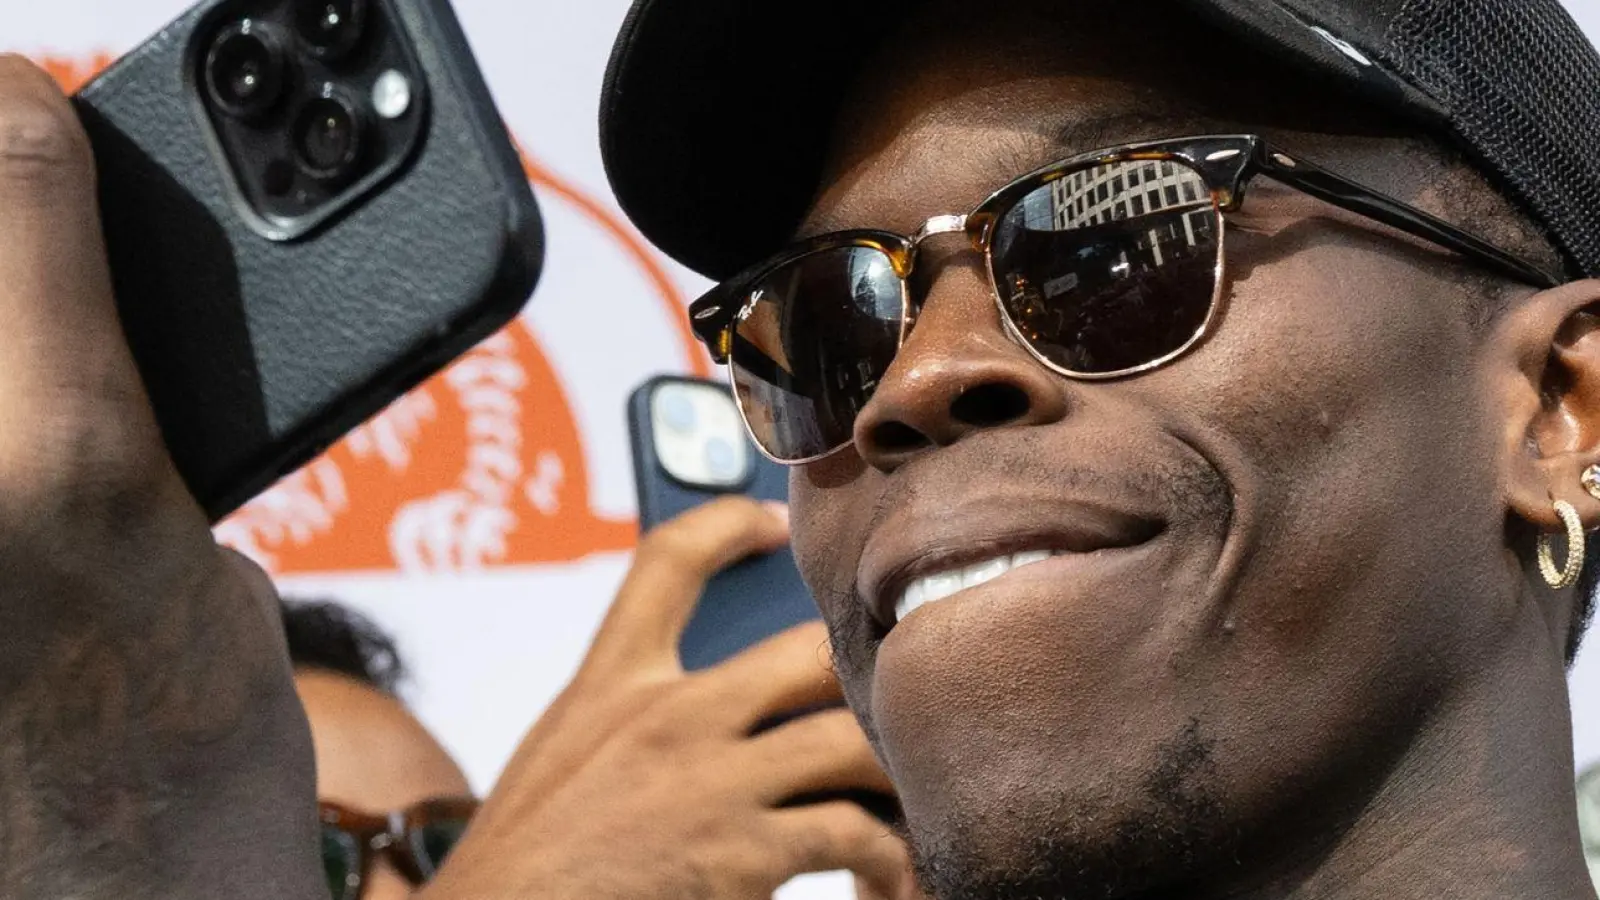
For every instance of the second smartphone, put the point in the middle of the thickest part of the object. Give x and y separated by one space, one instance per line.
689 447
309 206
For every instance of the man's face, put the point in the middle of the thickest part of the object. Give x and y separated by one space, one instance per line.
1272 553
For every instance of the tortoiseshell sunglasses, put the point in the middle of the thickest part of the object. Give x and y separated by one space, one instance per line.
1103 265
416 839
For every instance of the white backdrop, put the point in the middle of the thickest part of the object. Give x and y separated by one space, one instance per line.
493 559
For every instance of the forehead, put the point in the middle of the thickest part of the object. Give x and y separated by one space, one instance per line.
967 96
372 754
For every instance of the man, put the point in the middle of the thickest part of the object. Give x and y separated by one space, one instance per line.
1158 564
1290 634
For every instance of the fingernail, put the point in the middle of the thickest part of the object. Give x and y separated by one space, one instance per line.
779 511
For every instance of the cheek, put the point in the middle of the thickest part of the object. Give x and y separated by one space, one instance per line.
830 503
1348 383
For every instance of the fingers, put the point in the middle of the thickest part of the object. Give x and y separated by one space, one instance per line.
841 835
786 672
907 890
670 569
816 753
68 387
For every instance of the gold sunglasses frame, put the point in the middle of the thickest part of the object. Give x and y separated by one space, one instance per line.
1225 163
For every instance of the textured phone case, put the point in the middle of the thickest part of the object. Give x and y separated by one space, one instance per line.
258 353
746 603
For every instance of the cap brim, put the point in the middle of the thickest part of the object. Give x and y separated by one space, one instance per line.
716 114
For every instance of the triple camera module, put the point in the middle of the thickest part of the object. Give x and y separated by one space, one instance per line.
311 102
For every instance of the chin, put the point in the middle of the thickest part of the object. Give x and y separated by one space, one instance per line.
1140 834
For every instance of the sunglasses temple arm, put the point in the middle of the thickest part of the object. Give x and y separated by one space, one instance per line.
1347 194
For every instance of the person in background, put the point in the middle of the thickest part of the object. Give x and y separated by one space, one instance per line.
378 767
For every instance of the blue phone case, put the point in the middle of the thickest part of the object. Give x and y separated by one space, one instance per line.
754 599
747 603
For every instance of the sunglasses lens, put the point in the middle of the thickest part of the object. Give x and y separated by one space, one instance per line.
434 841
341 862
1111 268
812 347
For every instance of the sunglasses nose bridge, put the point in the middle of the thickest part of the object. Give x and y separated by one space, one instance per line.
950 224
934 227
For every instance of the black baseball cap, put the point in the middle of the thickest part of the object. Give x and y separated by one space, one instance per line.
705 99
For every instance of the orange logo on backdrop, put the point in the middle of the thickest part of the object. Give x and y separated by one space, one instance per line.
480 466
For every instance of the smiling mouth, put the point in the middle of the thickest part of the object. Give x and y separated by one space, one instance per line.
938 577
937 586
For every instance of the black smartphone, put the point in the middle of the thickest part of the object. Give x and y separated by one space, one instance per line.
309 206
689 447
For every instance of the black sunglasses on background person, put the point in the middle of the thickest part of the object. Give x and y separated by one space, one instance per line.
416 840
1103 265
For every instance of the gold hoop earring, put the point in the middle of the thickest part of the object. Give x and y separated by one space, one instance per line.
1591 481
1567 575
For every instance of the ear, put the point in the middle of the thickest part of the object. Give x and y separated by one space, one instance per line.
1549 387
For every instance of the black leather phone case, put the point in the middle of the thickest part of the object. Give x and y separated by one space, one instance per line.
258 353
742 605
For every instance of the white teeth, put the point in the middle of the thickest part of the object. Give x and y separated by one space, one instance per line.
915 594
972 576
1028 557
940 585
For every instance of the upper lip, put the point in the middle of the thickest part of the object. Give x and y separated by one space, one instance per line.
901 551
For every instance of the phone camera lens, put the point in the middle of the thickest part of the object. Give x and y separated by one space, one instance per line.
722 461
244 70
327 137
330 28
677 412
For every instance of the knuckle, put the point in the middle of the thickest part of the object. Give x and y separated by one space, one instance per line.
815 847
668 541
88 457
40 141
666 724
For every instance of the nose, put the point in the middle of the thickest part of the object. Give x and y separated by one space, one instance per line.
383 882
958 373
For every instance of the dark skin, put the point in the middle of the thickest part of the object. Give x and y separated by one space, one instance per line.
153 744
1302 650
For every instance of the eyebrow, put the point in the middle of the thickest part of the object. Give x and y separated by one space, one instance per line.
1084 135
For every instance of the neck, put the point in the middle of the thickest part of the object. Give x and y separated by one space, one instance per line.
1481 804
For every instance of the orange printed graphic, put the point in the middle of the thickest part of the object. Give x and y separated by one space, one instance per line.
73 73
481 466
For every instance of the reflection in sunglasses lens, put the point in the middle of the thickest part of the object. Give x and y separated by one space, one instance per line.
812 345
340 862
1110 268
435 841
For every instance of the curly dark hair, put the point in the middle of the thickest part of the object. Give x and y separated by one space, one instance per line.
326 635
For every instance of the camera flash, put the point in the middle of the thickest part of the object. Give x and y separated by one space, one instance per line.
391 95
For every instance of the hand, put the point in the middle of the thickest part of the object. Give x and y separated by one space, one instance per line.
153 745
906 890
642 782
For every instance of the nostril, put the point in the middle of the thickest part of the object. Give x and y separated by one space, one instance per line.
898 437
990 405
